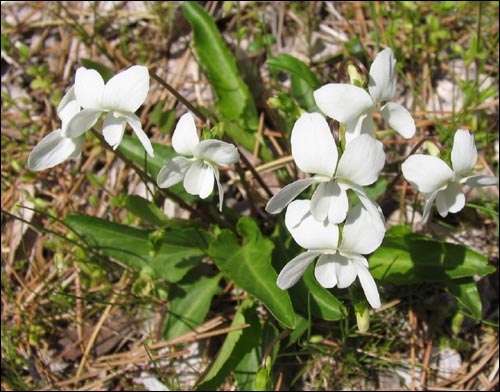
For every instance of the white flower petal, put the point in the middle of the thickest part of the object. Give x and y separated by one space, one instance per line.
307 231
217 151
343 102
135 123
68 107
53 149
362 231
429 200
339 205
325 271
346 271
362 161
199 179
89 88
358 126
480 180
127 90
219 187
69 111
313 146
113 129
320 201
451 199
68 98
294 269
382 84
464 152
78 147
372 207
81 122
426 173
280 200
399 119
185 137
367 282
329 201
173 172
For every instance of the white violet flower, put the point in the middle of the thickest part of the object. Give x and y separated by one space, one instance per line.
433 177
353 105
55 148
119 98
198 171
315 152
337 265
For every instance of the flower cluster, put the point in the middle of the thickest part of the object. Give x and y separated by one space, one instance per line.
82 106
118 100
326 226
437 181
199 171
332 231
315 224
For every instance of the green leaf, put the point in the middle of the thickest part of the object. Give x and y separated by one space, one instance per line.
303 93
408 258
249 266
236 345
294 66
172 253
302 326
303 80
234 100
245 372
263 381
375 190
189 302
132 148
308 296
164 120
323 303
466 292
146 210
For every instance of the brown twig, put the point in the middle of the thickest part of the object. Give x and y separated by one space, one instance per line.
174 92
273 342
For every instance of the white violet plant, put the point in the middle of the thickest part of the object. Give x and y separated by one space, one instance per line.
315 152
353 106
119 98
437 181
337 265
200 170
